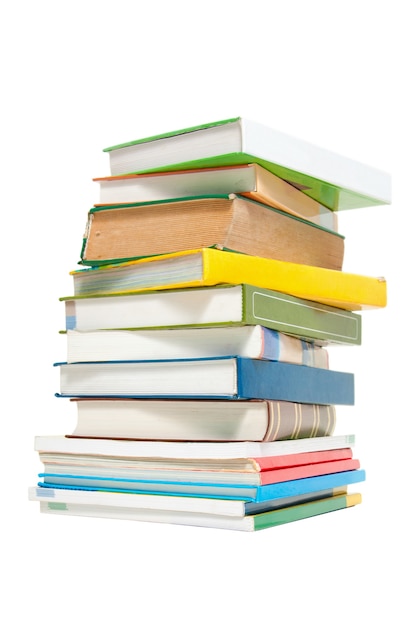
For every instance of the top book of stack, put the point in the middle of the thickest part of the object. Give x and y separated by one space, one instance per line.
334 181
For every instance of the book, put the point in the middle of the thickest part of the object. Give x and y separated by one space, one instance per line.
212 306
255 342
122 232
64 462
222 377
188 449
331 179
62 504
253 493
249 180
201 420
207 267
145 501
90 474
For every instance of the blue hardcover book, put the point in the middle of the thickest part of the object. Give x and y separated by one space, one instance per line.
224 377
248 493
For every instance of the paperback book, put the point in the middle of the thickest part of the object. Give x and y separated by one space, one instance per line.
63 504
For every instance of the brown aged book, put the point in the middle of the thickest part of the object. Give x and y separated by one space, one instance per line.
226 222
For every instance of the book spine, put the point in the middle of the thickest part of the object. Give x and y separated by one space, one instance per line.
302 486
293 383
303 318
292 420
331 287
265 463
280 347
304 511
305 471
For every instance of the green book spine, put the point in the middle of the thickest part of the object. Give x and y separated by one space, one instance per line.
303 511
302 318
190 129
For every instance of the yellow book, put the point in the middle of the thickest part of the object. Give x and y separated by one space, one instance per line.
211 267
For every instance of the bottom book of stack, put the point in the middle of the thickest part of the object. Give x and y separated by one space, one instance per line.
244 486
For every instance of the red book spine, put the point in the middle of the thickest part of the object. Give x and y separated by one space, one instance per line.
304 471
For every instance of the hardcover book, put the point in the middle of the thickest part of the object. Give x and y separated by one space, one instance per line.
121 232
249 180
230 377
215 306
201 420
255 342
331 179
208 267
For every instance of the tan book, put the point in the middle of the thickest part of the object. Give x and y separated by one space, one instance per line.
229 222
250 180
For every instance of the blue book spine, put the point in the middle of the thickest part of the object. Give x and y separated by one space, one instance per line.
275 380
308 485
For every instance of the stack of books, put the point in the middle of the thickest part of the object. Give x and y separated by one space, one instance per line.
199 333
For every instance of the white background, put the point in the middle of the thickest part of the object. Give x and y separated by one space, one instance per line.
78 77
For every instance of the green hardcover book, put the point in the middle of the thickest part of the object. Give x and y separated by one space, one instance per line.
215 306
335 181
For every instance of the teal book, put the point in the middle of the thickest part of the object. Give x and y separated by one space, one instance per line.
247 493
333 180
225 305
229 377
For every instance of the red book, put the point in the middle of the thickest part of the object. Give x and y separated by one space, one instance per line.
304 471
304 458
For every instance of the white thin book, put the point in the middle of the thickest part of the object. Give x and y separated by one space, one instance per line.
188 449
208 506
65 503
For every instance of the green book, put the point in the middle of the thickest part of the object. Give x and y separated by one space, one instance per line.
215 306
333 180
277 517
84 503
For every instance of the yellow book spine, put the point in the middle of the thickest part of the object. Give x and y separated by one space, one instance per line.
352 499
332 287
